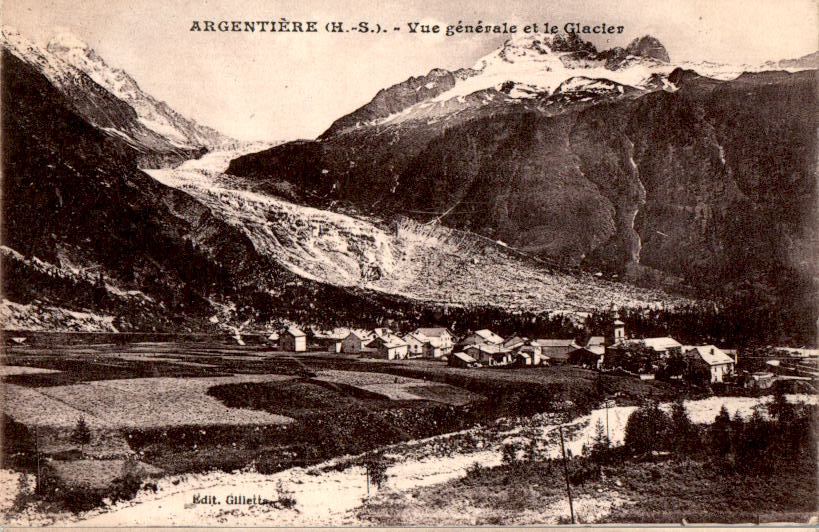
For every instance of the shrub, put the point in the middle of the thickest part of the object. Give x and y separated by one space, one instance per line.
285 498
129 482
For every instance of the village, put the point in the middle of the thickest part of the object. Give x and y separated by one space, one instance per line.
647 358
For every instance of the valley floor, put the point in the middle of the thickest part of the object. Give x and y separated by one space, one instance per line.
350 409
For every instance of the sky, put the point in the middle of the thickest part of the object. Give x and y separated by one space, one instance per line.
264 86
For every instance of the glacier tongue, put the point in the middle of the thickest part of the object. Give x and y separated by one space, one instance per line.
425 262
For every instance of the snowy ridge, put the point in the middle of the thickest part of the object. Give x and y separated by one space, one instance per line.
71 65
531 66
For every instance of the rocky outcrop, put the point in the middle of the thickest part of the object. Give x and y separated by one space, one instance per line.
396 99
648 46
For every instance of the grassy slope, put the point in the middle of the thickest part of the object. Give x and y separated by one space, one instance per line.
664 492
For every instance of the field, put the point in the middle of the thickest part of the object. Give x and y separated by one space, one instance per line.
193 406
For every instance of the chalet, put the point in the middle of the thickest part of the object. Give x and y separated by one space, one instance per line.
388 347
356 341
596 341
431 351
329 340
482 337
514 341
534 353
557 350
415 345
439 337
719 363
589 356
461 360
293 339
663 347
490 355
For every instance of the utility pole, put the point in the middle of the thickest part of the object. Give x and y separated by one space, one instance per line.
607 421
37 452
566 473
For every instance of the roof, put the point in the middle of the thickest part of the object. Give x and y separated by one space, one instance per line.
489 336
431 332
411 338
663 343
466 358
550 342
486 348
594 349
361 334
713 356
294 331
339 333
514 341
388 338
596 340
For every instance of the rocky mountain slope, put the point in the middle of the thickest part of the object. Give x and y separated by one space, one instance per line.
111 100
613 159
191 249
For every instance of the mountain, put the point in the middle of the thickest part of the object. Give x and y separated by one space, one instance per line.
93 242
614 159
111 100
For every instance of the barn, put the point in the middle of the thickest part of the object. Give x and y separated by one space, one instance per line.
293 339
356 341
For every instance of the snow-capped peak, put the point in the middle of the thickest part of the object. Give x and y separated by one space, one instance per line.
66 40
543 62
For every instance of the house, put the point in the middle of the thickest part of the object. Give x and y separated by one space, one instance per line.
431 351
461 360
596 341
719 363
484 336
514 342
388 347
590 356
329 340
490 355
556 349
293 339
663 346
760 379
522 358
534 353
415 345
356 341
439 337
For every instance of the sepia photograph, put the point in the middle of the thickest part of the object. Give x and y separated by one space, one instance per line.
269 263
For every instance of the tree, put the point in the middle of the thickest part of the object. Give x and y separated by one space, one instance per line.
600 445
647 429
719 434
81 434
376 470
781 410
684 437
